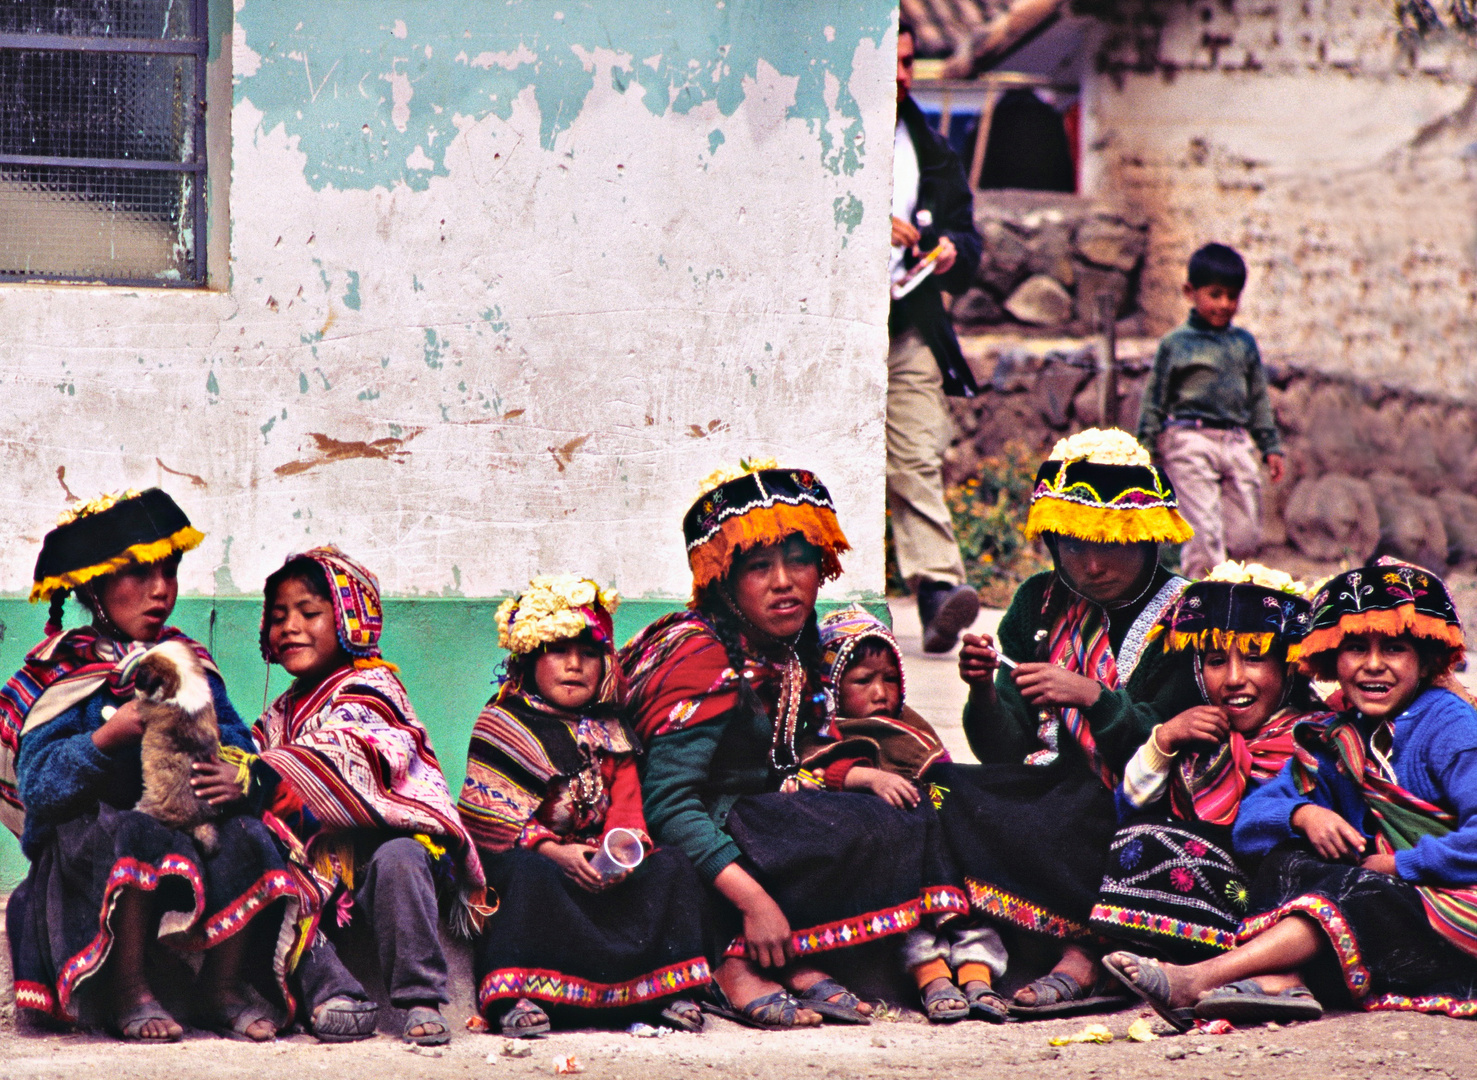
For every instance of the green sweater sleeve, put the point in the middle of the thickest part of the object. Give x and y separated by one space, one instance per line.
675 770
1151 410
1004 730
1161 686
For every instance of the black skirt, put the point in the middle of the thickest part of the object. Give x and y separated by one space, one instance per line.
1031 841
1389 957
845 868
59 919
641 942
1173 888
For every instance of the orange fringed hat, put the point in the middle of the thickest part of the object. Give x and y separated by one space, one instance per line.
755 505
1391 597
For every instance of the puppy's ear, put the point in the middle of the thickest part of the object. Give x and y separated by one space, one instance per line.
156 678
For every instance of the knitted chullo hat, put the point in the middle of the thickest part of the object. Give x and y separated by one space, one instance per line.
354 594
1101 485
1250 606
558 608
755 505
103 536
841 632
1390 598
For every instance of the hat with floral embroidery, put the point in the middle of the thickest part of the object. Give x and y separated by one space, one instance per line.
1390 597
1101 485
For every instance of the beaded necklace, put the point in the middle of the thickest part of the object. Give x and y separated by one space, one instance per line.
792 688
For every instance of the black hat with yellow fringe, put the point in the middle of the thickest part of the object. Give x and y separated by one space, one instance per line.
103 536
1247 605
756 504
1101 485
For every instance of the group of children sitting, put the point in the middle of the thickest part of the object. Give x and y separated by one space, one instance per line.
694 822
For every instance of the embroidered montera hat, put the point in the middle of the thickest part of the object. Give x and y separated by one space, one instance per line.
1101 485
1390 597
754 505
354 593
842 631
103 536
1247 605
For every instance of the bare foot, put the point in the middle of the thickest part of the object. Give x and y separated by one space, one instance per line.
230 1003
801 979
741 983
1184 988
133 1000
1081 965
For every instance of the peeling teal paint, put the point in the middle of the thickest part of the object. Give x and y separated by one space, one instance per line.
715 140
225 585
435 349
268 426
848 211
351 294
302 383
362 100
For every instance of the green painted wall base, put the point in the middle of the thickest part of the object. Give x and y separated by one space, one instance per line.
446 649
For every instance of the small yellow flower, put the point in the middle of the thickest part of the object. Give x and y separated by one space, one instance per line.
1100 446
95 506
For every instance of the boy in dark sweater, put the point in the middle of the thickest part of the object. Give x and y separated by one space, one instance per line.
1207 414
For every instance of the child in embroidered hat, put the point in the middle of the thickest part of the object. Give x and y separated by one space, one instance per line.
1172 883
1055 729
888 749
106 880
551 778
1368 836
348 769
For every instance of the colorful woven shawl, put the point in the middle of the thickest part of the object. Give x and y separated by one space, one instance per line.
1079 643
64 670
1210 787
1403 819
353 754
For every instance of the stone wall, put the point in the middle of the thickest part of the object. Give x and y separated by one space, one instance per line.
1370 467
1333 146
1048 258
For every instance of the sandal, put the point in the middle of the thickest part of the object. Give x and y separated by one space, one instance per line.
1245 1002
817 997
1152 985
1058 994
233 1020
945 1004
343 1019
129 1026
768 1012
523 1009
424 1016
683 1015
986 1004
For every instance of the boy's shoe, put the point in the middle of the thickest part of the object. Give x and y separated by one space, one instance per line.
945 611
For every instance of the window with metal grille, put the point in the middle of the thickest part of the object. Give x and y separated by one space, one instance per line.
102 141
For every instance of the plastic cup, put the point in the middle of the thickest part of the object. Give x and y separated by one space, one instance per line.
620 852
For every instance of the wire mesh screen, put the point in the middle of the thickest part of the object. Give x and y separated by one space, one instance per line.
165 19
101 140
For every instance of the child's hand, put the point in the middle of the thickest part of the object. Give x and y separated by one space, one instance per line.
1047 684
978 660
124 728
767 934
215 782
1202 724
889 787
574 860
1381 864
1331 836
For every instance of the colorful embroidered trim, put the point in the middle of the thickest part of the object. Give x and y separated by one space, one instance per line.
943 899
272 886
844 933
1110 916
1345 945
1461 1008
559 989
999 904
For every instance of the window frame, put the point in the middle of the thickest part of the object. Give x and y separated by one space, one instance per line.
197 46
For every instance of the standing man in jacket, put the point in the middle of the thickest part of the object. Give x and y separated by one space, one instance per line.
924 362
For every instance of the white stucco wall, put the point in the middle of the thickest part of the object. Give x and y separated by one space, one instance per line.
503 285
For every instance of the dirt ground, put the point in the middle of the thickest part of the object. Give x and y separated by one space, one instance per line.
1346 1045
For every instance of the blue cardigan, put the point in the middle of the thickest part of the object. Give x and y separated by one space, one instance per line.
1435 758
62 774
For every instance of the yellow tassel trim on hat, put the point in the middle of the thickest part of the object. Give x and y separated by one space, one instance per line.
364 663
766 525
1390 623
185 539
1101 525
1247 643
